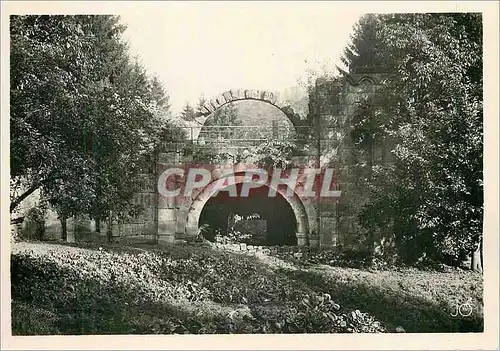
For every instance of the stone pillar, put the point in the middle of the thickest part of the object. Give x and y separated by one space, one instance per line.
191 227
166 224
70 230
301 239
191 231
314 240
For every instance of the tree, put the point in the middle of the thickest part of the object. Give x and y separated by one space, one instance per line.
201 102
45 56
158 95
365 51
224 117
274 154
85 117
431 109
188 112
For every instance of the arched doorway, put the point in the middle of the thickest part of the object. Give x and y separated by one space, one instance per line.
290 207
233 95
260 219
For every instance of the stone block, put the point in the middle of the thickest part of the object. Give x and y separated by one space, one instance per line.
221 100
301 239
227 96
128 229
253 94
269 96
329 211
191 230
149 228
167 227
243 247
181 226
182 235
205 111
209 107
167 202
237 94
166 239
214 104
167 214
314 241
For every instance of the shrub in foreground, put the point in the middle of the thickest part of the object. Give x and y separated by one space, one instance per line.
139 291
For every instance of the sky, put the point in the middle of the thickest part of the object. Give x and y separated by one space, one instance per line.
206 48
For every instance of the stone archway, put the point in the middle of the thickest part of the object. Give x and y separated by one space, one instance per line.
234 95
298 208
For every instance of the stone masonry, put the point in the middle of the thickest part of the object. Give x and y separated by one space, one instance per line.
332 105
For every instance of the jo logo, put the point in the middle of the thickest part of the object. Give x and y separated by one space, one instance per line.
463 310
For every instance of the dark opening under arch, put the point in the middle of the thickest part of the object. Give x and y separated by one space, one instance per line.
275 213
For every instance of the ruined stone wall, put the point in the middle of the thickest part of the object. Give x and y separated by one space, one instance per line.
141 228
178 216
336 103
332 106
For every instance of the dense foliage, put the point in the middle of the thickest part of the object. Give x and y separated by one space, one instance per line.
188 113
196 290
428 196
269 153
274 153
70 290
85 118
223 123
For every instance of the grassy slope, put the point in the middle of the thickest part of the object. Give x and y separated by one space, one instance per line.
61 289
417 300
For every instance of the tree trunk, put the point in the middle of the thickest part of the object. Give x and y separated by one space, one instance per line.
98 224
64 231
14 203
475 262
109 232
481 252
370 162
27 193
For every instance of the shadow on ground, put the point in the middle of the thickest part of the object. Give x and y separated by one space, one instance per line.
50 299
415 315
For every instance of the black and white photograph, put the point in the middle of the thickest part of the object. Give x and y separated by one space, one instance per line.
301 168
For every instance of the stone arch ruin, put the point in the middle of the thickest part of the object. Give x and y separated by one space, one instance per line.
296 204
332 106
234 95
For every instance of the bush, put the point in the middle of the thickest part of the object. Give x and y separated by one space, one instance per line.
35 222
319 313
170 290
